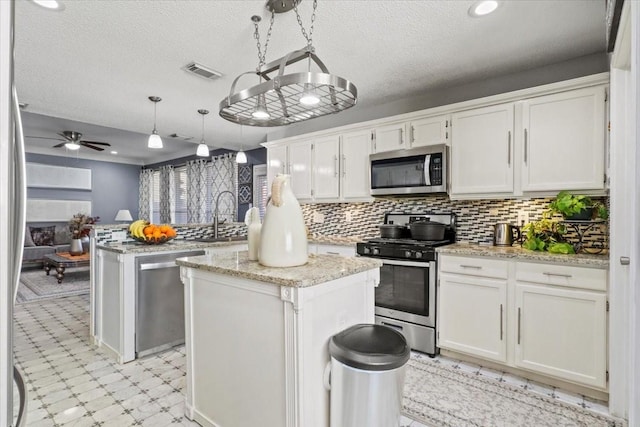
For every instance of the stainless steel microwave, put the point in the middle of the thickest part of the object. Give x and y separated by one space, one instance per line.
419 170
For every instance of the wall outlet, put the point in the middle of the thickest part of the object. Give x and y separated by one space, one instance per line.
318 218
119 235
347 216
523 217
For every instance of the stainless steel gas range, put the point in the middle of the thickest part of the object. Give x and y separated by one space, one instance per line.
406 297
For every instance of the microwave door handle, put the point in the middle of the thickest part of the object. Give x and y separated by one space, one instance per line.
427 167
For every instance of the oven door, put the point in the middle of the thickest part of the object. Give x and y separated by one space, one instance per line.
407 291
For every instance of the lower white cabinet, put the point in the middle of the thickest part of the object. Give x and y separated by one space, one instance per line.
328 249
545 318
472 315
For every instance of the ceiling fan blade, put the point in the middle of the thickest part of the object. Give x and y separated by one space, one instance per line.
59 145
66 137
45 137
91 146
96 142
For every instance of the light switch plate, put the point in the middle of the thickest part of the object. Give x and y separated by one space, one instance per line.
318 218
347 216
523 217
119 235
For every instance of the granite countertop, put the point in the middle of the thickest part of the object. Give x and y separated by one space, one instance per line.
518 253
319 268
172 245
335 240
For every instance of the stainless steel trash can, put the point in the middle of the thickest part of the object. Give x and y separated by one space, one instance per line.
367 376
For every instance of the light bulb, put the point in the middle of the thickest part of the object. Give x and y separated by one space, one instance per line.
49 4
483 7
241 157
203 150
154 140
261 113
72 146
309 96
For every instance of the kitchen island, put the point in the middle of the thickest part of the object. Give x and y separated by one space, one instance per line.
257 337
115 279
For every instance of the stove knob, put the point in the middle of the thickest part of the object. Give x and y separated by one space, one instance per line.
418 254
407 254
376 251
366 250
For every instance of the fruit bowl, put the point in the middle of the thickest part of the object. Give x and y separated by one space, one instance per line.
152 240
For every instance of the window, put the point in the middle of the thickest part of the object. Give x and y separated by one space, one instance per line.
179 208
260 188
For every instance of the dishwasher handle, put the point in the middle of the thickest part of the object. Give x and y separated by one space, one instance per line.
158 265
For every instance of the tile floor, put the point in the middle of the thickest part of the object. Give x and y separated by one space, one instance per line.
72 383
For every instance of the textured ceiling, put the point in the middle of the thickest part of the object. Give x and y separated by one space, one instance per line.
95 63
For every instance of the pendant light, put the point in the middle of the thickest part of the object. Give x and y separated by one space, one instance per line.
241 157
282 98
203 149
154 139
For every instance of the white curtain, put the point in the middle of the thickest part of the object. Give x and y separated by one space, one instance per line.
199 193
146 194
167 196
224 177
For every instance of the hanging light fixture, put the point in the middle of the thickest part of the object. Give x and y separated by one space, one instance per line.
72 145
154 139
282 98
241 157
203 149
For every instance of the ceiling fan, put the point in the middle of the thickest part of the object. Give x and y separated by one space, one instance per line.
73 140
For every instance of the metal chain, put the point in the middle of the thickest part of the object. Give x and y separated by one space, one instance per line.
256 35
308 37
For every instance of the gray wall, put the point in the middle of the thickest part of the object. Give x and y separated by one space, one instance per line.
114 186
577 67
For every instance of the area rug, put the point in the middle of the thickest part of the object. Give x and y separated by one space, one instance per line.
442 396
36 285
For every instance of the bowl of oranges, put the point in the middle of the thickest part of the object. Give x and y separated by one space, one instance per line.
152 234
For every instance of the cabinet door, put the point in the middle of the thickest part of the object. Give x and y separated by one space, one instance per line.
564 141
327 249
300 169
356 147
562 332
482 150
388 138
429 131
326 169
276 163
471 315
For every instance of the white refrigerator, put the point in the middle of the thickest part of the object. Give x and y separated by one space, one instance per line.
12 220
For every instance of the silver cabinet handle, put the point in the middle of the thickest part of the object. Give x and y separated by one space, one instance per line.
344 165
519 325
477 267
546 273
158 265
624 260
335 166
525 146
413 138
501 329
509 150
401 136
332 253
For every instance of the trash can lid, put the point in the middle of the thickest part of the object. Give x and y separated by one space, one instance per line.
370 347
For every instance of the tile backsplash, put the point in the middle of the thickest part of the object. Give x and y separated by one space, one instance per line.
475 217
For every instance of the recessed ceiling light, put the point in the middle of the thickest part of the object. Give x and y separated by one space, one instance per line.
483 7
50 4
114 152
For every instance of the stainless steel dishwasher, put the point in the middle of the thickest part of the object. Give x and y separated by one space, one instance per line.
159 302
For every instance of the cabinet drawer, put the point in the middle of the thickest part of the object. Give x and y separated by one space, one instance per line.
562 275
482 267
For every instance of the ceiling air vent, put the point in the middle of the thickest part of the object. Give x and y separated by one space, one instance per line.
186 138
202 71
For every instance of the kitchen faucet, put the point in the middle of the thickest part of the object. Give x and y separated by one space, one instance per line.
215 214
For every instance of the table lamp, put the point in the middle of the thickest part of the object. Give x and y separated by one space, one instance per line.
124 215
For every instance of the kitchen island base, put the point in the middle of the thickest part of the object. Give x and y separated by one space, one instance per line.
257 352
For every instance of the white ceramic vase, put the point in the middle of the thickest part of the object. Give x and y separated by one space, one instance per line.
283 238
254 227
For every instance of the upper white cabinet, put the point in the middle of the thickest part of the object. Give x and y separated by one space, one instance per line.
563 136
429 131
326 168
276 162
389 137
355 149
482 150
300 169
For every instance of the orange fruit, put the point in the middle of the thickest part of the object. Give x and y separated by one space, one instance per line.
164 228
171 232
148 230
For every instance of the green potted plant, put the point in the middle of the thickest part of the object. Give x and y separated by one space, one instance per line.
572 207
546 235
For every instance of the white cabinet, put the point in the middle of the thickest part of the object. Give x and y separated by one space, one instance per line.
300 169
549 319
429 131
563 137
390 137
482 150
328 249
355 149
561 331
276 162
478 286
326 168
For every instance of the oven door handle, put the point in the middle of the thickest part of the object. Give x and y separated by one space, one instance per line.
422 264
